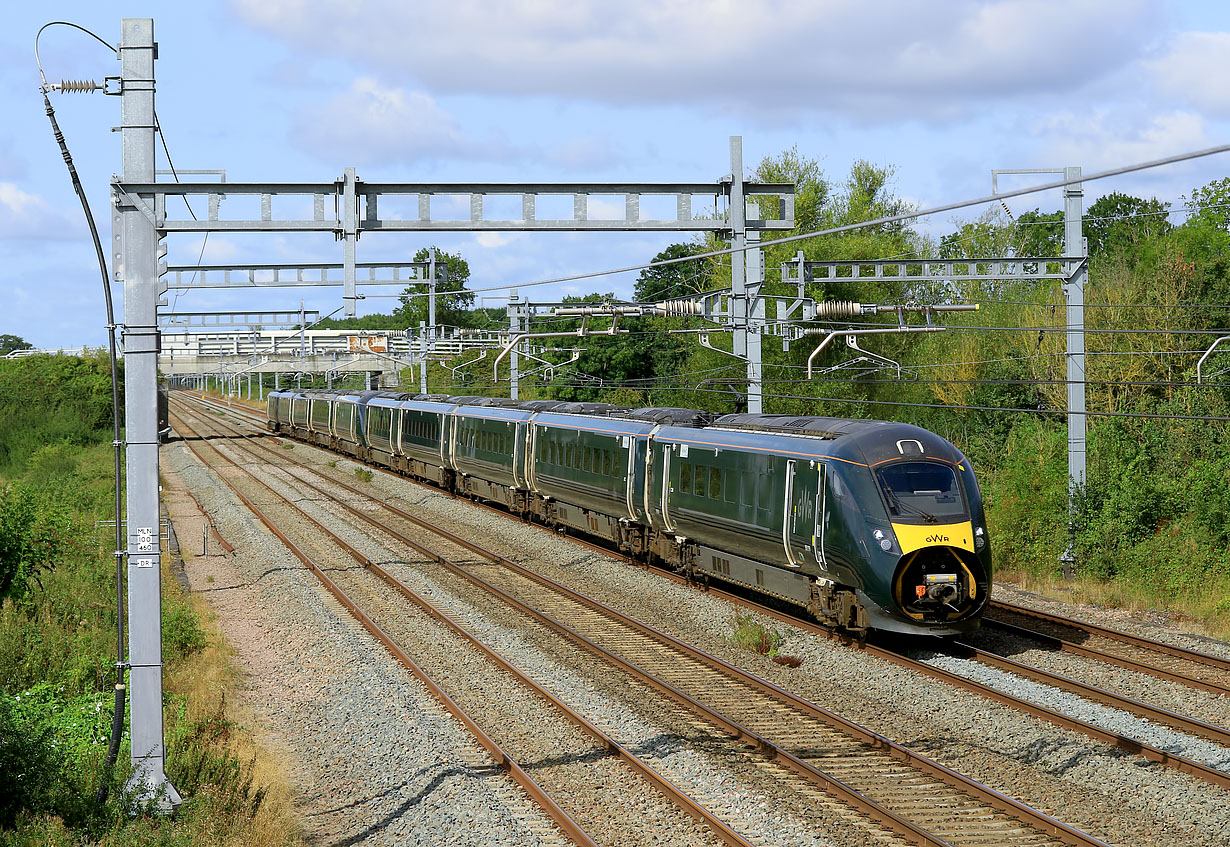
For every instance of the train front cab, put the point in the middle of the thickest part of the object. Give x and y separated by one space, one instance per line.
941 578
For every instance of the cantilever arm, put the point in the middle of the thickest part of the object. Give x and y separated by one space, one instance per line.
853 333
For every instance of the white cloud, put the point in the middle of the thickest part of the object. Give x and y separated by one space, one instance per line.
875 58
25 216
1195 71
492 239
1101 140
374 123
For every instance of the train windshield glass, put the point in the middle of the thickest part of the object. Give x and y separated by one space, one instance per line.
921 492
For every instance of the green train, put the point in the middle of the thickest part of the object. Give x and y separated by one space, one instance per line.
865 524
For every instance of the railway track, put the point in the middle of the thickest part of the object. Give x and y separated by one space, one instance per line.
890 650
1164 661
584 764
922 800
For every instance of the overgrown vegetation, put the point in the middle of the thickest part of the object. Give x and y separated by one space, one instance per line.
57 641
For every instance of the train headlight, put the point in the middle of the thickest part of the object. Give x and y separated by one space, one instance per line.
885 542
980 538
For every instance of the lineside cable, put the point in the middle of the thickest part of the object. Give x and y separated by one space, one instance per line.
117 717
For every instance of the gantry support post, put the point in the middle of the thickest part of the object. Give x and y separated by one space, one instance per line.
514 361
350 235
1074 292
745 276
422 357
149 783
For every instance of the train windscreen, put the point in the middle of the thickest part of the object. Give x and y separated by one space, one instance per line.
924 492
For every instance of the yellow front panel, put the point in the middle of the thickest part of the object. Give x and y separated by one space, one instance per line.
912 537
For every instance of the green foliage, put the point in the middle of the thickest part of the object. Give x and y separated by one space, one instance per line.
364 322
182 633
453 301
200 762
364 474
750 634
51 400
1121 224
1039 234
9 343
1025 494
27 761
670 281
33 532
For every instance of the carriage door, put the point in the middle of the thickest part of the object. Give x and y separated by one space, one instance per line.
788 515
822 508
799 524
666 486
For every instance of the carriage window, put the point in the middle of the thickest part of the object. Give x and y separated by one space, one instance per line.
702 476
587 459
685 477
764 493
747 489
608 463
731 487
715 483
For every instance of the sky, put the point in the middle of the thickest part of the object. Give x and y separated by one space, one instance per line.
575 91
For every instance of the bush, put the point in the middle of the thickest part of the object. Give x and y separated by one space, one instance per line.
27 761
182 634
33 532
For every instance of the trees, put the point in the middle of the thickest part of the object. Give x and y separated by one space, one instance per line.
1120 223
670 281
453 301
9 343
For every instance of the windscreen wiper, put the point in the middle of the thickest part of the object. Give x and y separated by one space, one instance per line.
900 506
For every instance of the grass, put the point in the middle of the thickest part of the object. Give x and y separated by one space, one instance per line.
751 634
363 474
236 400
212 748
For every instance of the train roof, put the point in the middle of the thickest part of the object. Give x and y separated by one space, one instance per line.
478 400
864 442
672 415
809 424
596 409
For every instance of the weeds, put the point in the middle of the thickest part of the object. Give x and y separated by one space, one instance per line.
752 635
363 474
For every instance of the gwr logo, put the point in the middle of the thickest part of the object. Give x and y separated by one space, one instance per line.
936 539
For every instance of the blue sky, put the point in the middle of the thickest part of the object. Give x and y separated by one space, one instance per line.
561 90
